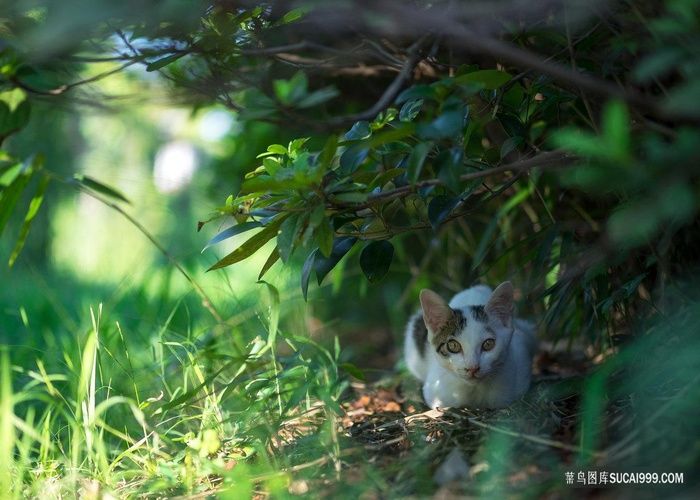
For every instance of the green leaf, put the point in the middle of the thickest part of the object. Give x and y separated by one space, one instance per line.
306 272
482 248
286 180
246 14
318 97
252 245
440 208
277 149
375 259
512 124
308 228
273 324
296 145
416 159
616 129
392 135
657 64
360 130
324 265
291 91
353 370
489 79
383 118
580 142
5 118
232 231
317 215
624 292
272 166
274 257
331 403
292 15
325 158
350 197
12 121
514 98
299 394
34 206
10 173
352 158
410 110
684 99
11 194
186 397
164 61
256 104
450 164
417 92
382 178
510 145
324 237
636 222
287 236
101 188
447 124
13 97
20 116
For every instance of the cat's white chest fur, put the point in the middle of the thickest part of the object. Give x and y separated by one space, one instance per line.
470 352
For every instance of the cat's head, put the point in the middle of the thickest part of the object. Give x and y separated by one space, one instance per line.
472 341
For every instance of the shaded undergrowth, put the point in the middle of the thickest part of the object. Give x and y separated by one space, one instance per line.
280 415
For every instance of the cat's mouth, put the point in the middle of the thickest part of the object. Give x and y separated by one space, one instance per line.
475 377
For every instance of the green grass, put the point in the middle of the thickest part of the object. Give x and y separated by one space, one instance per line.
261 414
170 418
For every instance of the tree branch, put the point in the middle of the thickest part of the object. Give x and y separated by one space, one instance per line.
517 56
380 235
65 88
545 160
391 91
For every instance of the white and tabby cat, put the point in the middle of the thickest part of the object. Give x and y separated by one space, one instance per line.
471 352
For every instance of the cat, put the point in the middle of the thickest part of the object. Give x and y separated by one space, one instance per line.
471 352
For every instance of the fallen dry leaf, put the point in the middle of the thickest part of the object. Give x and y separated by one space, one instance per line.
392 406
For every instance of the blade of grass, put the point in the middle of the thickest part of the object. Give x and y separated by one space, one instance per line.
7 427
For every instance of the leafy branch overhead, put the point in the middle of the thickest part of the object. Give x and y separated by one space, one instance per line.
415 120
469 136
419 165
378 179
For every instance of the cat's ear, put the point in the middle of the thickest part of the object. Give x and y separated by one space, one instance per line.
500 305
436 312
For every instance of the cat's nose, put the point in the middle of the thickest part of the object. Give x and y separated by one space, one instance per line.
472 371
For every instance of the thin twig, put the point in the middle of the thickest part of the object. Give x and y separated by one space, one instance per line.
206 301
391 91
530 437
437 413
545 160
427 225
517 56
292 47
65 88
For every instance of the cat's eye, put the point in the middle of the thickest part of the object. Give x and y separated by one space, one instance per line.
454 347
488 344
